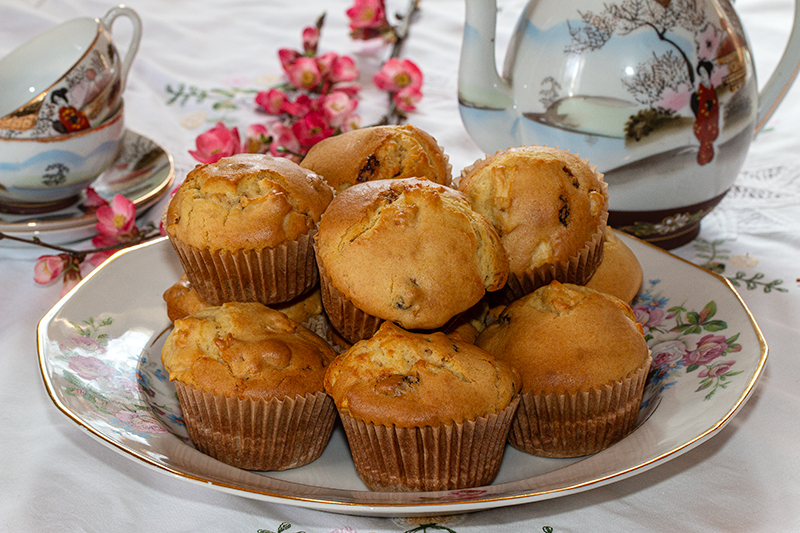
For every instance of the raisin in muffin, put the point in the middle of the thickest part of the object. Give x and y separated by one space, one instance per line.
423 411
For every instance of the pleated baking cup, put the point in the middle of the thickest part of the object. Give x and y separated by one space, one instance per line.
268 275
578 424
444 457
349 321
278 434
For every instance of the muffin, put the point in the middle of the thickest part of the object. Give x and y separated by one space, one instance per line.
243 228
182 300
378 152
619 272
550 209
583 361
404 250
250 384
423 412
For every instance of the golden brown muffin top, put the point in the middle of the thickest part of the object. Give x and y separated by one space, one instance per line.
246 350
182 300
567 338
619 273
545 203
410 251
376 153
414 380
246 201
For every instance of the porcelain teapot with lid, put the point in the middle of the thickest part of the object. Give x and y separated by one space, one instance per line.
661 95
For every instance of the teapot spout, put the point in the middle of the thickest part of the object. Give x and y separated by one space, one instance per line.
479 84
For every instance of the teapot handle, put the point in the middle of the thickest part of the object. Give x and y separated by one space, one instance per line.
783 76
136 36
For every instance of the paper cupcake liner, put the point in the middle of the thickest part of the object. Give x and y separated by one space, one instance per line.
582 423
269 275
278 434
444 457
349 321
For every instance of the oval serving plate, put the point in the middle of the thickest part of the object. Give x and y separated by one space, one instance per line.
99 353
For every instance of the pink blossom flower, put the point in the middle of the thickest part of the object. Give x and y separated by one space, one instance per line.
406 99
708 42
304 73
310 40
284 137
301 106
311 129
708 348
49 267
272 101
343 69
717 370
675 100
117 219
257 139
352 122
325 63
368 20
396 74
337 106
216 143
648 317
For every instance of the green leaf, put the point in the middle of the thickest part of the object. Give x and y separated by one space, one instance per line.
284 526
693 317
706 383
730 340
692 368
715 325
710 309
693 330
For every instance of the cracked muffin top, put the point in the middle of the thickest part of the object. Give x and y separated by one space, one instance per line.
414 380
410 251
567 338
378 152
246 350
545 203
246 201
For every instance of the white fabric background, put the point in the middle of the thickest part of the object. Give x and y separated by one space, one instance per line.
54 477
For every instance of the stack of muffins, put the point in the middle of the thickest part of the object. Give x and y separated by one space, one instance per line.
447 320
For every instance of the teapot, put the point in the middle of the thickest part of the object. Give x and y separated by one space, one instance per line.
660 95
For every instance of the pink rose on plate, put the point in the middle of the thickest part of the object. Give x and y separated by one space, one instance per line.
708 348
649 317
139 421
90 368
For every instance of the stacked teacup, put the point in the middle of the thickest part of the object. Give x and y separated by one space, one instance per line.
61 112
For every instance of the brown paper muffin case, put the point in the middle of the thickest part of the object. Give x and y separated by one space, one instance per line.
269 275
350 322
258 435
444 457
582 423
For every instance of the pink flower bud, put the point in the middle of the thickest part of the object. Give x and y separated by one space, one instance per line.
396 74
287 56
310 39
216 143
271 101
93 199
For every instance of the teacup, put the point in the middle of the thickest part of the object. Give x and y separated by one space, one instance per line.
67 79
41 175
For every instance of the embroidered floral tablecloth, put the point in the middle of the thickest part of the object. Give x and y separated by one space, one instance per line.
201 63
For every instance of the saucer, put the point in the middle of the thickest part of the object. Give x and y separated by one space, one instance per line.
143 172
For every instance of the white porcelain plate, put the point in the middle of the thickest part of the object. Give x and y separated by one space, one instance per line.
143 172
99 351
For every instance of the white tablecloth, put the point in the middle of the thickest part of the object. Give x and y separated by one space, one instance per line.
53 477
